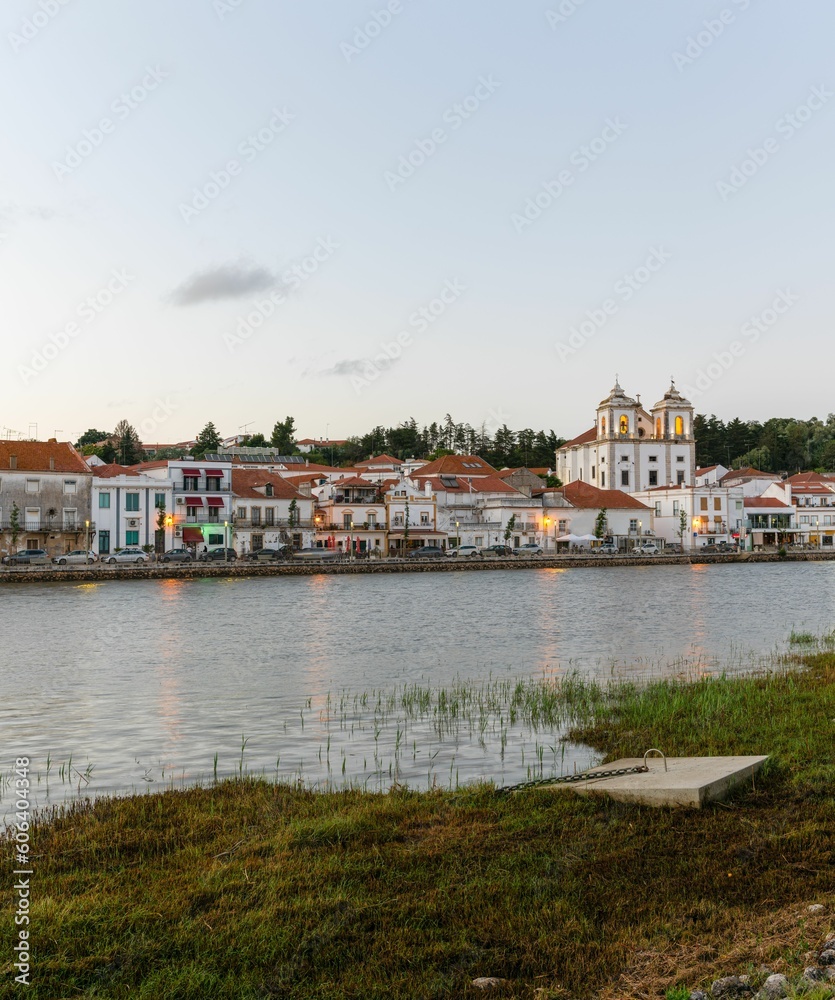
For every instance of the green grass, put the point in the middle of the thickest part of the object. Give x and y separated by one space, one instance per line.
249 890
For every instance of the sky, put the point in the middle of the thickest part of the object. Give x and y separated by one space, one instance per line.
359 212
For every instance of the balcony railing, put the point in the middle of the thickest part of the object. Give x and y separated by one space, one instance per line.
44 525
280 523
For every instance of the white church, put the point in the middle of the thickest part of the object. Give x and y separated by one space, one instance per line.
630 448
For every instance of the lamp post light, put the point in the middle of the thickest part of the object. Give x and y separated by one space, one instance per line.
351 540
457 536
87 539
225 542
545 522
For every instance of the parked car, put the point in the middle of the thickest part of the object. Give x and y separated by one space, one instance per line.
26 557
426 552
649 549
129 555
607 549
718 547
497 550
326 555
176 555
219 554
267 555
528 549
76 556
673 549
464 550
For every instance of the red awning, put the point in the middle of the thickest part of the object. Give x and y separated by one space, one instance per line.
192 535
214 501
216 473
194 501
191 472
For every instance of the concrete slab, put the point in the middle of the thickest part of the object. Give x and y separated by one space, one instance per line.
688 781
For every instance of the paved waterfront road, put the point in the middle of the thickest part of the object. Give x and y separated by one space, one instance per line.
150 678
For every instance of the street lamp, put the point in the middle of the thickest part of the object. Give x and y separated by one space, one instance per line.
225 543
545 522
351 540
87 538
457 536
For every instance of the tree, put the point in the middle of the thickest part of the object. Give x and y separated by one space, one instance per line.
170 453
14 524
600 524
91 436
827 457
406 526
208 440
293 512
126 444
256 441
553 482
283 437
683 526
508 531
160 547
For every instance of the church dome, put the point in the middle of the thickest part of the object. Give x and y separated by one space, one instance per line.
617 397
672 397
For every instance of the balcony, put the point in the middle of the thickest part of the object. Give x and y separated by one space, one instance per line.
47 526
279 524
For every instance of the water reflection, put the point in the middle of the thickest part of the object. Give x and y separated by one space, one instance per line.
149 679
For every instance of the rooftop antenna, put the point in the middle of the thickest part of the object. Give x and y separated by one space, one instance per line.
33 437
242 428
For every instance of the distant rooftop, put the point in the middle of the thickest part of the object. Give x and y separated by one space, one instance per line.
255 455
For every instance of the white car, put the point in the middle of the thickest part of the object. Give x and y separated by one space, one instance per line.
528 549
649 549
130 555
76 556
464 550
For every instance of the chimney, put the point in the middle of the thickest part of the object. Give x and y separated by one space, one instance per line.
12 461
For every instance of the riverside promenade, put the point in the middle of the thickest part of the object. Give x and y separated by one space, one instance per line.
100 572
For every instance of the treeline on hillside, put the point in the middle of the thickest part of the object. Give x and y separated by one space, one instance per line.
781 444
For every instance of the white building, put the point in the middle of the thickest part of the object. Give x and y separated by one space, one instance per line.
693 516
627 521
630 448
202 505
128 508
269 512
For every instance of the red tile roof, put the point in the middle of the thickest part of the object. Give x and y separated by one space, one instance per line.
249 483
355 481
585 438
475 484
380 460
109 471
34 456
748 473
585 496
456 465
766 502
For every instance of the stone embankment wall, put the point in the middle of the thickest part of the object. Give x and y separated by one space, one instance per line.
193 571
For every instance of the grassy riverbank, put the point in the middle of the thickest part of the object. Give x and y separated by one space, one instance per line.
250 890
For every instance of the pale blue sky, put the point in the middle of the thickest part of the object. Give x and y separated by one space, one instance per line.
219 70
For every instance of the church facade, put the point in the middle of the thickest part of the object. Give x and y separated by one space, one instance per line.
630 448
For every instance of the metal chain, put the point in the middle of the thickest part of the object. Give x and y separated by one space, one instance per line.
568 778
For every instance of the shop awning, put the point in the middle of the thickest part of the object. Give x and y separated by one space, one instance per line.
194 501
214 501
215 473
192 535
191 472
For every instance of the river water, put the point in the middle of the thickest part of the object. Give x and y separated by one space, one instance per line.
126 685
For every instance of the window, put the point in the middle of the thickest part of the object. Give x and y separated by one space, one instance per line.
159 501
347 519
624 477
658 508
633 525
703 503
658 427
33 486
189 482
257 542
602 478
32 518
215 539
131 538
653 458
717 503
268 491
478 541
804 518
594 472
131 501
653 477
602 425
70 486
371 517
104 501
213 483
562 527
624 424
675 506
679 458
242 513
255 514
104 543
269 516
70 518
624 458
424 518
679 477
679 425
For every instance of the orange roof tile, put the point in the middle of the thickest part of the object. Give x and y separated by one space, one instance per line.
35 456
585 438
455 465
585 496
249 482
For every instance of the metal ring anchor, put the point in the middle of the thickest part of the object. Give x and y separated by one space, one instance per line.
655 750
